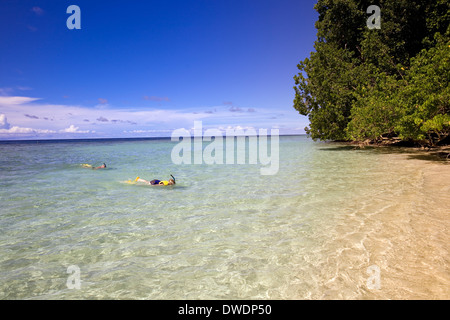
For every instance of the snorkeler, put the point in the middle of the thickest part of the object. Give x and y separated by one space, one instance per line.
85 165
103 166
156 182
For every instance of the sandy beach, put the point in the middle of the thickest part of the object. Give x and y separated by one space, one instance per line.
417 266
406 236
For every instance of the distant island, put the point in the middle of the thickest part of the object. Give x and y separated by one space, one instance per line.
378 85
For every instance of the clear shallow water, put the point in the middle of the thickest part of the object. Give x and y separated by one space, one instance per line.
225 231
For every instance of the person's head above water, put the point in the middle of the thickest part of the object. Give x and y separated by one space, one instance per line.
171 181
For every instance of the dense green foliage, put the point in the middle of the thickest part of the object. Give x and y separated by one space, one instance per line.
363 83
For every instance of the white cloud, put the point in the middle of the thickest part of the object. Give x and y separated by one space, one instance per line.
149 131
4 122
73 129
68 119
27 115
20 130
5 128
16 129
6 100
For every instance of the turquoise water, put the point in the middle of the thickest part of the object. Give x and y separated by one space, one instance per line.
223 232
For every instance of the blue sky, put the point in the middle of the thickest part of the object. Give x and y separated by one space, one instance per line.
145 68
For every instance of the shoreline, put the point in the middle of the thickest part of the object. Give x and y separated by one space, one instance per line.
421 251
414 265
402 230
441 152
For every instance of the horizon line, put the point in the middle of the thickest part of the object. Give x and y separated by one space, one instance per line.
12 140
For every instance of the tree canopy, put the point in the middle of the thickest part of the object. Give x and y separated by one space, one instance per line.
363 83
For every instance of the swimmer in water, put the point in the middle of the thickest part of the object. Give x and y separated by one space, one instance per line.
103 166
157 182
85 165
